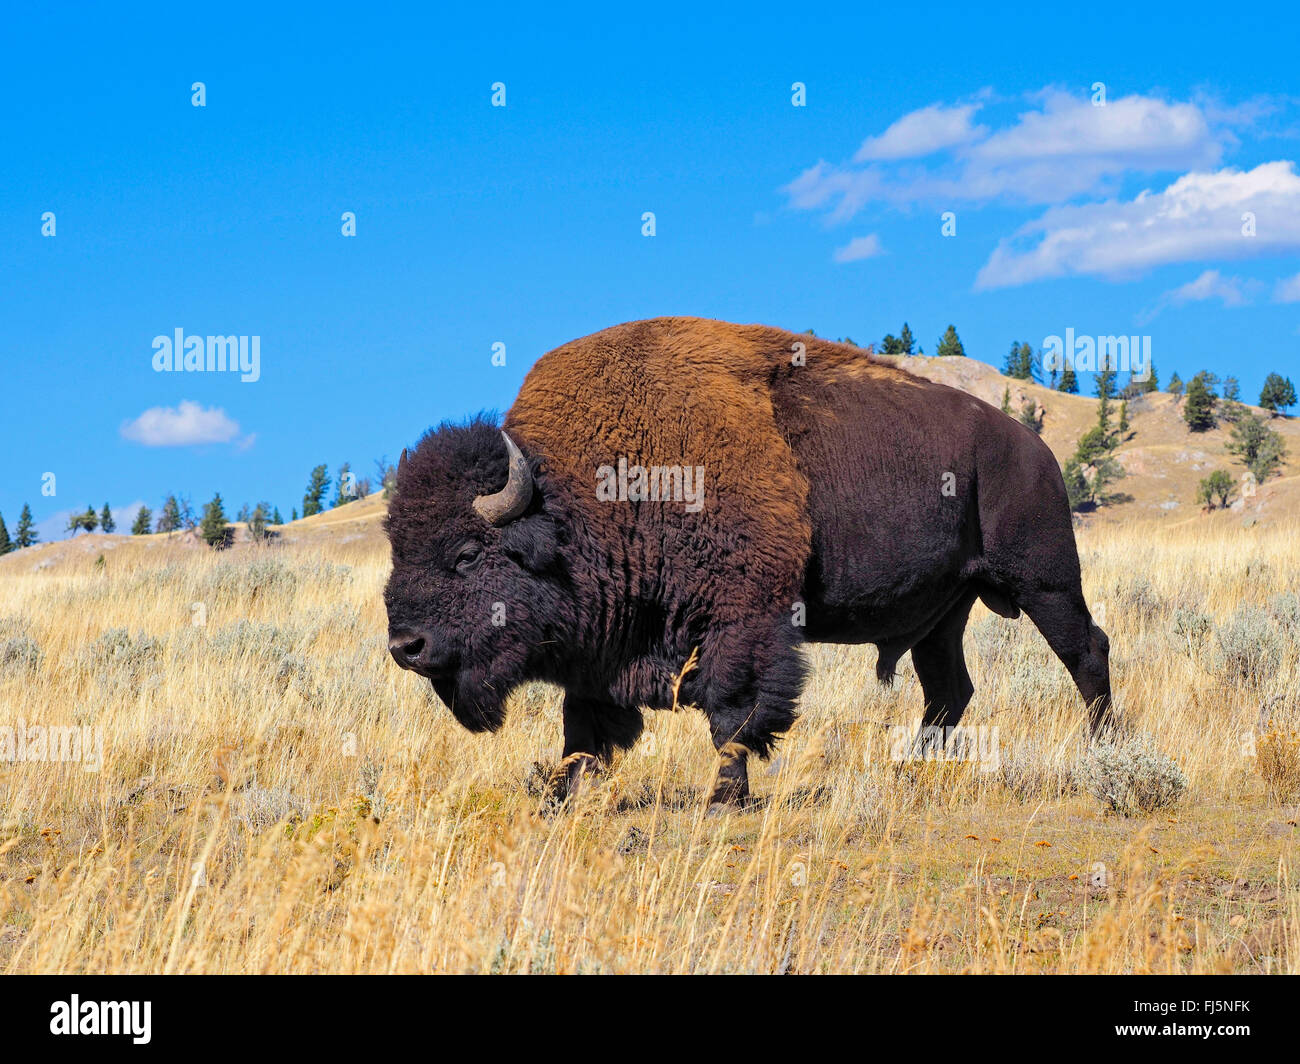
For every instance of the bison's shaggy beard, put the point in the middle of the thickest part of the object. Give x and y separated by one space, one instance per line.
472 701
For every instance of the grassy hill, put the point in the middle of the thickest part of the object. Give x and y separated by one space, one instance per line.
1164 460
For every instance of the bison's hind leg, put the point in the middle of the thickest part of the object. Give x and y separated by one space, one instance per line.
1068 627
940 665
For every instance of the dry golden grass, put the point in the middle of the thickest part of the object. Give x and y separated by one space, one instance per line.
276 796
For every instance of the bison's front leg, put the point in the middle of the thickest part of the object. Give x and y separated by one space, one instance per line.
593 730
751 680
731 788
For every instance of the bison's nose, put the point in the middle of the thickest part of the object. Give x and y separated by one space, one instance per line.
416 652
405 649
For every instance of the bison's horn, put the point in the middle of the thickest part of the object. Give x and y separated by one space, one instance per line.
512 500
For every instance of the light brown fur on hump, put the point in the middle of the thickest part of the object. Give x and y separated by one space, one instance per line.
678 391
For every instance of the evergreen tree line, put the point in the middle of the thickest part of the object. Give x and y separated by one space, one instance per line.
948 345
24 532
177 513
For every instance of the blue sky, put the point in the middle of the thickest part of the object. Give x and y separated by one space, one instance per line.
523 224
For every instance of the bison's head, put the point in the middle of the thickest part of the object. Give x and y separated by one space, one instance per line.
475 600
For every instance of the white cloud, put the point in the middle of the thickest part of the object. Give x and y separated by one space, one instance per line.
923 132
1059 150
1200 216
181 426
1287 290
1210 285
859 248
1230 291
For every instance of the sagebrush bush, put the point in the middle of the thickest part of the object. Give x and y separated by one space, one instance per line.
1284 609
1132 778
294 674
118 648
1191 627
993 639
1037 679
1249 649
253 637
20 654
1033 771
241 578
1139 600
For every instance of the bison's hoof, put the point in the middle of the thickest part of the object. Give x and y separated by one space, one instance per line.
727 798
571 774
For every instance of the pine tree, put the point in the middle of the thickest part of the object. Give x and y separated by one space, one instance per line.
1278 394
170 519
1230 410
88 520
906 339
143 520
949 344
1176 385
6 544
1069 382
891 345
257 521
1231 389
1033 361
1105 384
1091 469
1199 410
1152 383
1029 417
1105 389
1123 417
1006 400
25 533
1256 446
387 475
316 488
106 522
293 513
1021 363
276 519
346 491
213 528
1076 484
1218 485
1011 367
1092 445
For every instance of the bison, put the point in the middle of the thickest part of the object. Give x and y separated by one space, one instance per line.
680 486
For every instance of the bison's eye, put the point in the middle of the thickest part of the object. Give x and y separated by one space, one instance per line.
469 557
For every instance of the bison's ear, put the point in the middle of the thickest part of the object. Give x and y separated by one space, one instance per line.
532 542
